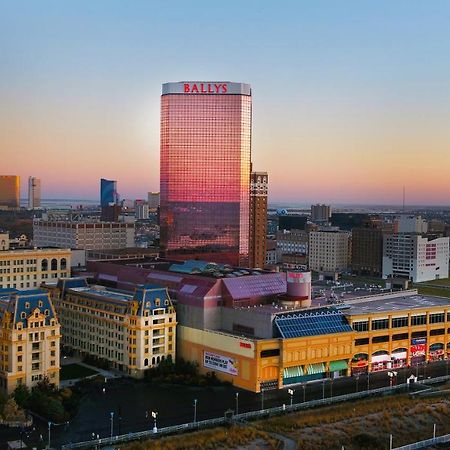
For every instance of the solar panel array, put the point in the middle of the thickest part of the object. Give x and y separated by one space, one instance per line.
323 321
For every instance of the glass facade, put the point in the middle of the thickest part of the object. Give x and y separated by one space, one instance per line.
108 192
205 176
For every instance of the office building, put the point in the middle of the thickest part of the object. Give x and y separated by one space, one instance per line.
205 171
292 222
9 191
34 193
415 257
109 201
348 221
130 332
108 192
271 253
28 268
292 242
258 219
367 248
329 250
320 213
412 224
153 201
141 210
29 349
4 240
83 235
256 330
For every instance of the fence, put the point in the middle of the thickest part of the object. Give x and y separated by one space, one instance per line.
426 443
251 415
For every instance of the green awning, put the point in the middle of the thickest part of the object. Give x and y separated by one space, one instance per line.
313 369
338 365
289 372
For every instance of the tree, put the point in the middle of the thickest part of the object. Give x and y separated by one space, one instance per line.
12 412
22 395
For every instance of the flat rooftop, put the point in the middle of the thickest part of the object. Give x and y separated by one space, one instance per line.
386 304
107 294
193 267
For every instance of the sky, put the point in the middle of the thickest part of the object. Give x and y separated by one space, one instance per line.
351 100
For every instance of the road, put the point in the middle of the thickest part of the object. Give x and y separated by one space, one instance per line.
132 403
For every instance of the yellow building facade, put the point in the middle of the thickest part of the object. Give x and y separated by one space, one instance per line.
29 339
130 332
28 268
382 333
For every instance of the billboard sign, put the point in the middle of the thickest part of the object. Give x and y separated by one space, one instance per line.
206 88
418 347
221 363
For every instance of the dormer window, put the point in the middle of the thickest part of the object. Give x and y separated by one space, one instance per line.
23 315
47 312
147 304
36 315
27 305
166 302
157 302
40 304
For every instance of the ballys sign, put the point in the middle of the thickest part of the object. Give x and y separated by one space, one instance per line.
205 88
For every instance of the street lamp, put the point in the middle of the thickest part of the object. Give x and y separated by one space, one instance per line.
391 376
195 411
237 403
262 399
155 428
95 437
291 393
112 423
49 433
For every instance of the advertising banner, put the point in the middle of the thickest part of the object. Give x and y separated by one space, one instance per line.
219 362
418 347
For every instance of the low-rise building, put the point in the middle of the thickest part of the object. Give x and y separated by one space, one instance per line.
415 257
83 234
28 268
367 249
254 329
131 332
329 250
320 213
29 339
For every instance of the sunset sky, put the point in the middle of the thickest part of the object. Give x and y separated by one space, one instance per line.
351 100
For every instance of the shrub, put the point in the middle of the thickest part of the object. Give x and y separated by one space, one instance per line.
366 441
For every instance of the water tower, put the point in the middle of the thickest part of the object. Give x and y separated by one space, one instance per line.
298 289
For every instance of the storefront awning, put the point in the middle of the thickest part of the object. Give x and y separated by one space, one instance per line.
289 372
313 369
338 365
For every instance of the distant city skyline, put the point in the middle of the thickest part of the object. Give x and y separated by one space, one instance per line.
350 102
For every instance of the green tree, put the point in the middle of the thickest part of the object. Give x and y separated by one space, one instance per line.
22 396
12 412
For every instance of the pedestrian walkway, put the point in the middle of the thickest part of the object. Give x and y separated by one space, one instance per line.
106 374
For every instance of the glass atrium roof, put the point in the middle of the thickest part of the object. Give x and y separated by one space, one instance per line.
312 323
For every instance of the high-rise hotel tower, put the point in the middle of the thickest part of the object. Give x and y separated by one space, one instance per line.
205 171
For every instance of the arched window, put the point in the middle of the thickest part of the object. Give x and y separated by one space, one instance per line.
54 264
153 361
157 360
145 362
63 264
44 265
